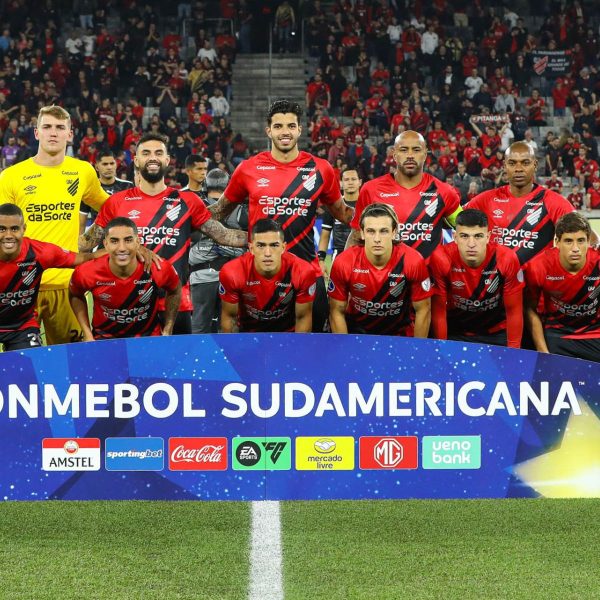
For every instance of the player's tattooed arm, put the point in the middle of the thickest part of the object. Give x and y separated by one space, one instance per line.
90 238
229 313
223 235
221 209
353 239
172 301
341 211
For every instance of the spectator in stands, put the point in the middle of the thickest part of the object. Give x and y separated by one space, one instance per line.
535 107
208 52
461 180
505 102
285 23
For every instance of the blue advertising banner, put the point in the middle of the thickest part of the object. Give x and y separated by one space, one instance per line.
287 416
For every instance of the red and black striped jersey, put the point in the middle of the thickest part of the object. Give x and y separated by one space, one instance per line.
524 224
475 295
123 307
267 304
289 193
421 210
379 300
20 281
571 300
165 223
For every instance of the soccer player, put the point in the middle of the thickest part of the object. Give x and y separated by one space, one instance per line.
125 296
287 184
421 201
106 167
49 188
165 218
351 183
568 278
207 257
373 288
267 289
478 287
196 167
22 262
522 214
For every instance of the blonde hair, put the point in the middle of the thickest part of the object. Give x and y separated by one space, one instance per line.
58 112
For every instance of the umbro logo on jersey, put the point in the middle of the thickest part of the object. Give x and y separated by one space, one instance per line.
432 208
359 286
535 216
263 182
29 276
105 296
310 183
133 214
30 188
73 187
174 212
458 284
146 295
498 212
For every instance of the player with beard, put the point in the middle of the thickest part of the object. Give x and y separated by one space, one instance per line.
106 167
286 184
165 218
522 214
422 202
373 289
567 277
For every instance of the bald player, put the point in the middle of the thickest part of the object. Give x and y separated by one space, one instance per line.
522 214
422 202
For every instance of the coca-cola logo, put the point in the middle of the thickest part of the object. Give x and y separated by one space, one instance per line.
198 454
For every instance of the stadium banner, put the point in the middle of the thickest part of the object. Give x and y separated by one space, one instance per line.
288 416
550 62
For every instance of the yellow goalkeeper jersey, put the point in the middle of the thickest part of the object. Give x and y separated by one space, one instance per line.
50 198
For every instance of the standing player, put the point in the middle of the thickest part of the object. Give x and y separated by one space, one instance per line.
196 167
373 288
478 287
125 296
568 277
522 214
165 218
267 289
286 185
421 201
22 262
351 183
49 188
106 167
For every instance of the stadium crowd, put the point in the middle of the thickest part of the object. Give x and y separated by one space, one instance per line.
431 107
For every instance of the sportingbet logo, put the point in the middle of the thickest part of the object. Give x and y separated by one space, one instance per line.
389 452
198 454
262 453
134 454
452 452
71 454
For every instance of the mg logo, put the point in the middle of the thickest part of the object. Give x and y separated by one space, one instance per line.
388 453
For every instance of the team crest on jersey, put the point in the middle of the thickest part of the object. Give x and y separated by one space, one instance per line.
286 297
145 295
396 287
493 284
263 182
29 276
534 215
595 290
173 212
432 208
73 186
310 183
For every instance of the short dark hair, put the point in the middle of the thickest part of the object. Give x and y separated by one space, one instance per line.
378 209
193 159
153 137
344 171
266 225
120 222
284 106
105 154
571 223
9 209
471 217
216 180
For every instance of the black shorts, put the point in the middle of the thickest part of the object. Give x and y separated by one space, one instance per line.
21 339
586 348
493 339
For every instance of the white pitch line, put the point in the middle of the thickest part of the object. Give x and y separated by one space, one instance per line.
266 581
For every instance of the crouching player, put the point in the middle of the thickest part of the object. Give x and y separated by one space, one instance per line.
373 287
568 277
267 289
125 296
22 262
478 287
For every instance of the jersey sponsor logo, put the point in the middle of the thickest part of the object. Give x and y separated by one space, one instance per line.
515 238
73 186
133 198
105 283
69 173
29 177
281 205
433 194
382 195
265 168
250 283
360 270
282 284
412 232
555 277
263 182
305 169
53 211
19 297
500 199
26 264
152 236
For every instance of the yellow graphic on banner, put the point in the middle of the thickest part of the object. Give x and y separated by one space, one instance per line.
325 453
